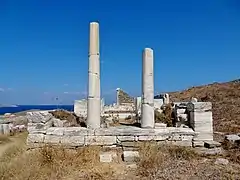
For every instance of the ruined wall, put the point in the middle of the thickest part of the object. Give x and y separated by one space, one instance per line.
124 98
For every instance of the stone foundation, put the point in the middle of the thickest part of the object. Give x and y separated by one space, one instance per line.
73 137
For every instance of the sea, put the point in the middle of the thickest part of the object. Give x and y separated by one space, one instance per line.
20 108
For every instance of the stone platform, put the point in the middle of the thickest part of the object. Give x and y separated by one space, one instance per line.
74 137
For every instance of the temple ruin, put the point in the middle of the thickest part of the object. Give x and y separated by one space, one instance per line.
193 119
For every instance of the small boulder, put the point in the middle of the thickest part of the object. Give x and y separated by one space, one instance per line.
221 161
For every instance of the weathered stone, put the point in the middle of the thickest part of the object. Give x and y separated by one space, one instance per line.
177 137
221 161
6 129
206 151
39 116
147 117
199 106
125 138
211 144
160 125
153 138
73 140
106 157
58 131
130 156
77 131
130 144
58 122
198 144
52 139
35 138
232 137
100 140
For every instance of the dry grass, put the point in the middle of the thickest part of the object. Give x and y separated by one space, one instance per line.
174 162
4 139
53 163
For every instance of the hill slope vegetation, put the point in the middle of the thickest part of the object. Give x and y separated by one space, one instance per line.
226 103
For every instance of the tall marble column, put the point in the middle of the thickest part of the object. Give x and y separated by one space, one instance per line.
147 119
94 99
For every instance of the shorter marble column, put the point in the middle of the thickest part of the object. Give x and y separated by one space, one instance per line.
147 119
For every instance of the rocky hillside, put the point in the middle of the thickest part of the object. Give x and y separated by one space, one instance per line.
226 103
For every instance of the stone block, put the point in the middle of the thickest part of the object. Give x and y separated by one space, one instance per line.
153 138
6 129
78 131
177 137
52 139
106 157
35 138
130 156
130 144
199 106
73 141
39 116
198 144
125 138
123 131
160 125
206 151
211 144
58 131
100 140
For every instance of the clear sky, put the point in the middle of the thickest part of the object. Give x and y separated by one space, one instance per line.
44 46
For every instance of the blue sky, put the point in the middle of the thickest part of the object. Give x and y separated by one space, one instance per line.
44 46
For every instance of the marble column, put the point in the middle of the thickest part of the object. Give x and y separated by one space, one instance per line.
94 99
147 119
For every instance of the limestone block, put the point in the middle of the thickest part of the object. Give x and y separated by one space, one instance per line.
199 106
6 129
35 138
131 144
77 131
58 122
72 140
181 131
52 139
125 138
39 116
58 131
123 131
198 143
160 125
177 137
153 138
221 161
203 136
206 151
100 140
211 144
106 157
130 156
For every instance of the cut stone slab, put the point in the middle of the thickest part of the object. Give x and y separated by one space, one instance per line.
221 161
77 131
73 140
211 144
100 140
58 131
199 106
160 125
35 138
206 151
198 144
106 157
125 138
39 116
52 139
130 156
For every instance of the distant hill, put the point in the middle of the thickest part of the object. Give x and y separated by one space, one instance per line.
226 103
